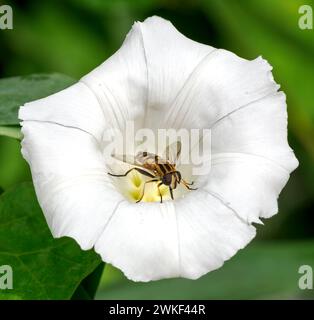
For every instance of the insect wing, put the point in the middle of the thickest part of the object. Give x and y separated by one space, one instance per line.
131 160
172 152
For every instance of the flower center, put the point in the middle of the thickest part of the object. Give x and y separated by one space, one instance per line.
150 171
135 189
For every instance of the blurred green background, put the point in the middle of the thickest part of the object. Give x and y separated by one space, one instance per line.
74 36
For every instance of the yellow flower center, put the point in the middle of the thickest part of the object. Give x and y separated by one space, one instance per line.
135 188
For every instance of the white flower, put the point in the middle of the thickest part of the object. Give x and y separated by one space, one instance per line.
161 79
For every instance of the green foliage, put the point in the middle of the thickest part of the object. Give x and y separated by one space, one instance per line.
43 267
13 167
16 91
88 287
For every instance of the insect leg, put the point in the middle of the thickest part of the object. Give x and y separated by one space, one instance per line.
145 173
187 185
140 199
159 184
171 193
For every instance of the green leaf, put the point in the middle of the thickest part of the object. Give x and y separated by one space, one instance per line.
43 267
266 270
16 91
88 287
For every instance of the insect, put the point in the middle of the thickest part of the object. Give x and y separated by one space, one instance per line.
161 170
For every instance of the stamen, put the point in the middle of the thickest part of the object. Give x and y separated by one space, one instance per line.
135 184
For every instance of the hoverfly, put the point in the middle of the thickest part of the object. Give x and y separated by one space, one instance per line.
159 169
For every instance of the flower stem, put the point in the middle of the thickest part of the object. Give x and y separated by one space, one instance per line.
11 131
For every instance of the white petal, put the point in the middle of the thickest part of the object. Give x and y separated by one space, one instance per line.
120 83
251 159
259 128
171 59
140 81
221 84
70 179
249 184
74 107
149 241
141 240
209 233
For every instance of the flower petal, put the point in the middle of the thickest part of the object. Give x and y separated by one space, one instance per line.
209 232
221 84
171 59
70 179
139 82
249 184
251 158
74 107
259 128
151 241
120 83
141 240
